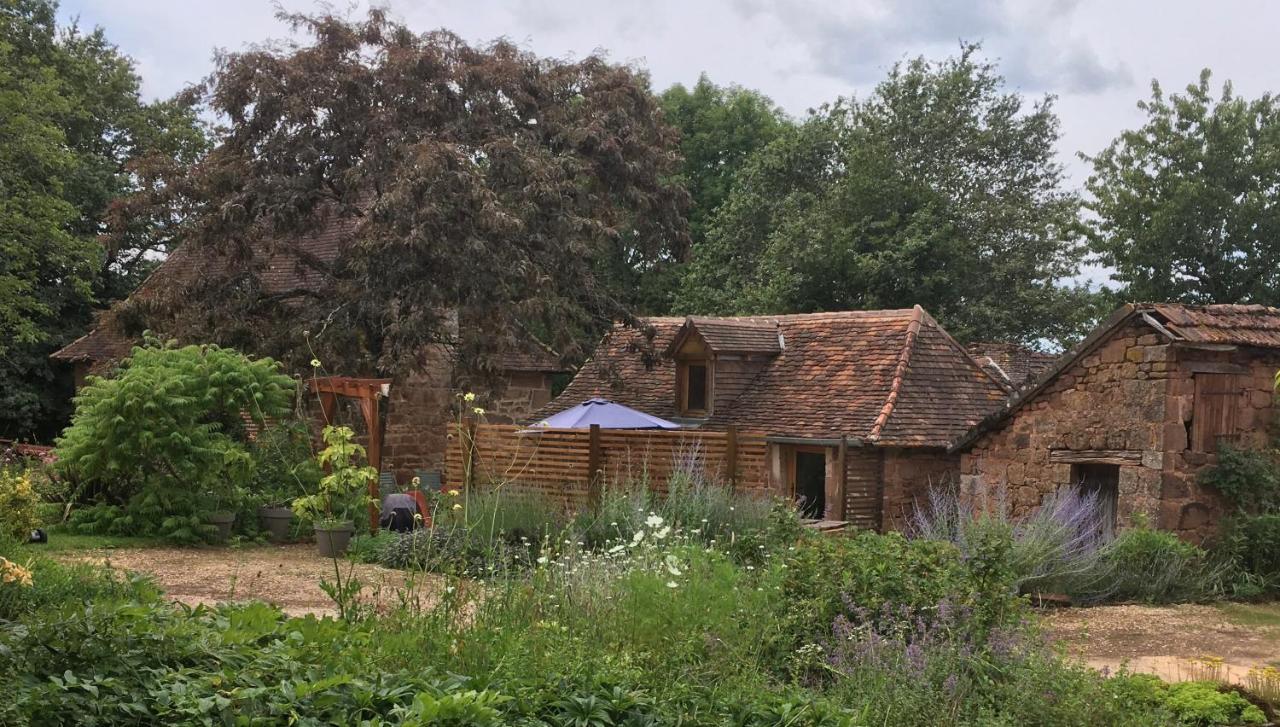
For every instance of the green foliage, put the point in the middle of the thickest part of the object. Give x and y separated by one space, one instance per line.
56 585
1200 704
1156 566
1185 206
165 438
1249 479
338 494
283 465
721 127
1251 544
939 189
19 503
74 134
823 574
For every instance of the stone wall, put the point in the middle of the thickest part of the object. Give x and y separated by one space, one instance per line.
908 475
423 403
1129 402
1186 505
1110 401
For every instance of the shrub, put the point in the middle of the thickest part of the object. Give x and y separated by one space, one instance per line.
1155 566
1251 544
167 433
826 576
1206 703
51 585
1249 479
1055 548
19 504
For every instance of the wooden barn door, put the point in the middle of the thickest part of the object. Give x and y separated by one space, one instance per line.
1216 411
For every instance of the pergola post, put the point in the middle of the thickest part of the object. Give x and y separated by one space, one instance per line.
367 392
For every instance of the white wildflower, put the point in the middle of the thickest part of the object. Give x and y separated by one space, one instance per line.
654 520
672 584
663 533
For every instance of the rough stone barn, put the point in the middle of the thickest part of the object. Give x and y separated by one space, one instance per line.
421 400
865 400
1134 413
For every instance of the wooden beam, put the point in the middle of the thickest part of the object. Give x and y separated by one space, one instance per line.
731 455
372 422
842 475
1095 456
1213 367
594 467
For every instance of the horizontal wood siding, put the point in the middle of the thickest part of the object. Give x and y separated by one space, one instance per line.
863 488
554 463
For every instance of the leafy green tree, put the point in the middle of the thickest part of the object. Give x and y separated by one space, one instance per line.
1186 206
485 181
720 128
74 136
167 433
939 189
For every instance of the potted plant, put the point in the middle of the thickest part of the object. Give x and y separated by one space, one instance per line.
276 518
284 468
330 508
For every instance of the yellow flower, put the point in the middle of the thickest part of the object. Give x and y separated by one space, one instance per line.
417 481
11 572
457 506
468 397
454 493
478 410
315 363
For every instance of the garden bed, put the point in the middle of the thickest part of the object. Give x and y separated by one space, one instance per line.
287 576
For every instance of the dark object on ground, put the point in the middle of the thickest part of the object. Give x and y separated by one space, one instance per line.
277 521
38 536
332 542
398 513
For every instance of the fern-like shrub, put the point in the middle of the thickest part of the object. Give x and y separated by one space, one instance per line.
164 441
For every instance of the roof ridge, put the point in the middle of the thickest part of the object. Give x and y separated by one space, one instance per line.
899 373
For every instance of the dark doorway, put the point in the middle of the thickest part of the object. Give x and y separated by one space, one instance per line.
811 484
1103 480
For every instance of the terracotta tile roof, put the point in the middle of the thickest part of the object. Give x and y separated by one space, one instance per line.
1216 324
737 335
281 268
892 378
1014 363
1241 325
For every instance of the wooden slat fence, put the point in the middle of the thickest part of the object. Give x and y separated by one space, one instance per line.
558 463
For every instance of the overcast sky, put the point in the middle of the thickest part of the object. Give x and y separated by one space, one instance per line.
1097 56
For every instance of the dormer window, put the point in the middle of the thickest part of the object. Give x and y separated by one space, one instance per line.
697 388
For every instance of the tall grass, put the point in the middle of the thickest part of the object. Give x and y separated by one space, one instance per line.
1058 547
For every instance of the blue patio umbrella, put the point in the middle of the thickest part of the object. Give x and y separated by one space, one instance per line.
605 413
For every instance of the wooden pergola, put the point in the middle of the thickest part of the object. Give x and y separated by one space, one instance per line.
366 392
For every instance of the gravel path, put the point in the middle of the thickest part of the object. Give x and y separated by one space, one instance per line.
285 575
1166 640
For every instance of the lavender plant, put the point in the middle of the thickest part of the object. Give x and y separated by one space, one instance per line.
1059 546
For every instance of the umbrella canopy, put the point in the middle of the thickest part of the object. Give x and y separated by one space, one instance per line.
605 413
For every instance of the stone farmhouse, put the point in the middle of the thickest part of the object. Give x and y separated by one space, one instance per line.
1134 413
864 402
421 401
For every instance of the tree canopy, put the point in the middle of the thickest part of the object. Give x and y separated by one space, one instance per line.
484 181
938 189
73 129
1186 207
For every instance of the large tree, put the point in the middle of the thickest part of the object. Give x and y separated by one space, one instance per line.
1187 207
940 189
720 128
72 129
484 182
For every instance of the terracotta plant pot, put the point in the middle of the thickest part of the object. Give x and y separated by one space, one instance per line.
277 521
332 541
223 521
